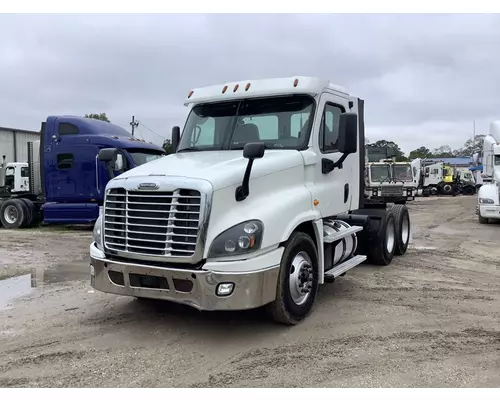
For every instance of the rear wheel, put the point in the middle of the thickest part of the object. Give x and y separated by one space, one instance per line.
402 225
297 281
445 188
383 244
13 213
30 216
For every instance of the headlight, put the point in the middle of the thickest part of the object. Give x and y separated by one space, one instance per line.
240 239
485 201
97 235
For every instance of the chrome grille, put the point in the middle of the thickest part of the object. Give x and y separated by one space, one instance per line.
152 223
392 190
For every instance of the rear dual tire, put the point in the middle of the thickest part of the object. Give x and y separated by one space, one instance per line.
402 225
17 213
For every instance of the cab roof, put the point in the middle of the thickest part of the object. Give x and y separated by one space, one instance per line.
263 88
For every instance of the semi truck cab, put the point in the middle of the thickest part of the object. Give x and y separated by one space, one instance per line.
262 202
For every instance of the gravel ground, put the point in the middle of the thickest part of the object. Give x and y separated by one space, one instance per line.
430 319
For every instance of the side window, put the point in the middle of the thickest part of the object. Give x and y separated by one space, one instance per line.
329 132
67 129
25 172
65 161
297 123
266 124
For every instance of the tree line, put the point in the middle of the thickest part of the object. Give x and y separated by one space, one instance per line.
471 146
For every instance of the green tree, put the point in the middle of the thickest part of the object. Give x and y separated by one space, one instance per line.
443 151
474 145
101 117
167 146
421 152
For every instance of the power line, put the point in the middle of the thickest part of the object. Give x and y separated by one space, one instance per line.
150 130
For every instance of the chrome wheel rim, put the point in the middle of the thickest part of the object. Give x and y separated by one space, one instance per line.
390 236
10 214
405 230
301 278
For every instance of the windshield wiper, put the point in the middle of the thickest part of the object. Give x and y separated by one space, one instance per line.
189 149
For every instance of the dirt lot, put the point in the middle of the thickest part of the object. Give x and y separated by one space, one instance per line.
431 318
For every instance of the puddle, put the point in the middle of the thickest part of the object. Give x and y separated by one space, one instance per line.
14 287
17 286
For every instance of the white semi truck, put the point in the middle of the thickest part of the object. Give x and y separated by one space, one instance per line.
488 196
262 202
388 181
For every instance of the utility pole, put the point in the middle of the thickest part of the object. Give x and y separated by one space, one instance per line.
134 124
474 131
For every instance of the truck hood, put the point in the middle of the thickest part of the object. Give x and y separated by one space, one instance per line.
221 168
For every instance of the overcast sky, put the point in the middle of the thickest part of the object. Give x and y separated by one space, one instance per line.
424 78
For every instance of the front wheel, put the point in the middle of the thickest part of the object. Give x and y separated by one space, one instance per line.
297 281
482 220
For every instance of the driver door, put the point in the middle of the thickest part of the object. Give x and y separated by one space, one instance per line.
333 189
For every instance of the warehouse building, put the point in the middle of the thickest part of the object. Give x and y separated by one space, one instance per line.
14 144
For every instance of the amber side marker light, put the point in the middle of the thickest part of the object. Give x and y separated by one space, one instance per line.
295 82
315 202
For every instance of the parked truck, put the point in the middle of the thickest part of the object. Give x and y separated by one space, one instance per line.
488 196
63 181
388 181
262 202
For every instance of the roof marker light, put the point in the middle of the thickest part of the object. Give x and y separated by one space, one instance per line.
224 89
190 94
247 86
236 87
295 82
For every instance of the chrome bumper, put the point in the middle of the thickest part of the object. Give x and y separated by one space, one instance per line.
196 288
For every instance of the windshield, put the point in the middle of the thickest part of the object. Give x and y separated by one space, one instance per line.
280 122
142 156
379 173
402 173
468 176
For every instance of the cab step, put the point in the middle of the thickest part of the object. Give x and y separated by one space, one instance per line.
341 234
345 266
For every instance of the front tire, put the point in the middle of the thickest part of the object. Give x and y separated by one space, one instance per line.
481 220
402 225
297 281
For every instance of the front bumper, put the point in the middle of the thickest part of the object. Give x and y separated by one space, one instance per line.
488 211
195 288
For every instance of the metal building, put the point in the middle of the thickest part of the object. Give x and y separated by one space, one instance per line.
14 144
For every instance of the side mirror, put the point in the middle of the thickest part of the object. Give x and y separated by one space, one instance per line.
254 150
348 133
251 151
176 137
107 155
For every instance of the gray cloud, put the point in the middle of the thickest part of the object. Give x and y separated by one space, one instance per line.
424 77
